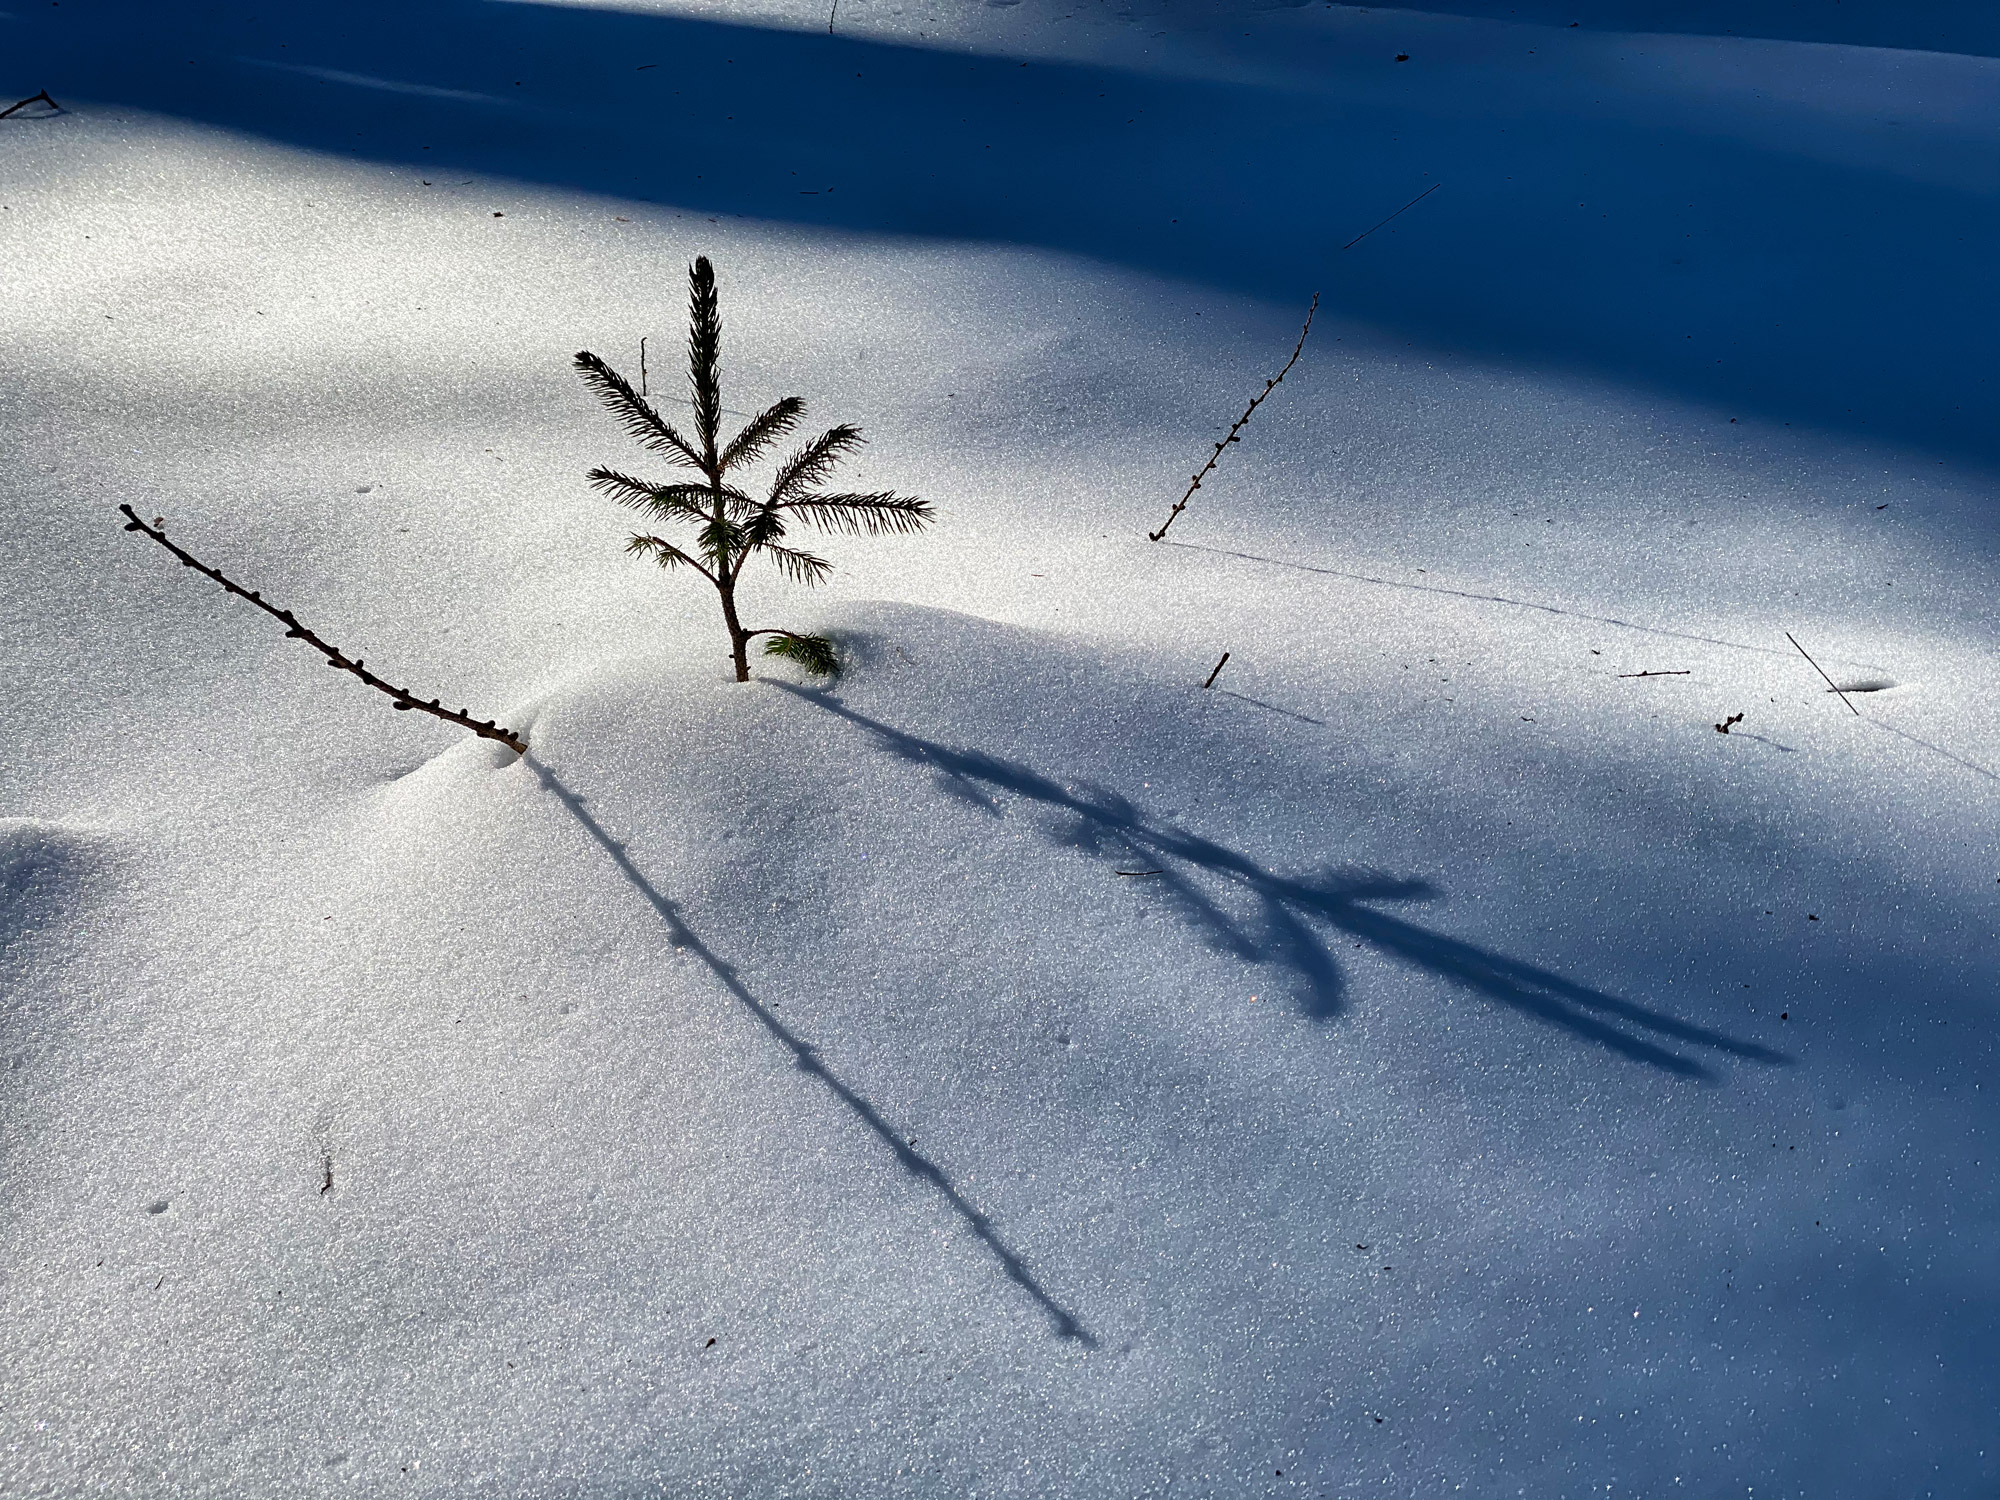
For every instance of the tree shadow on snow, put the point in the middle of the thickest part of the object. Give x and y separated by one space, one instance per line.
1927 25
1290 910
1701 246
807 1059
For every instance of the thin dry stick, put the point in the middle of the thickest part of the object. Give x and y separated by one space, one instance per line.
642 368
1396 215
1216 673
43 96
830 15
485 729
1822 672
1237 426
1686 673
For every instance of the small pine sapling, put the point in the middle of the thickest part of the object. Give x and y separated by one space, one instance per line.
730 528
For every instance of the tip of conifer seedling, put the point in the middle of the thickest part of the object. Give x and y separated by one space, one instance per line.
730 528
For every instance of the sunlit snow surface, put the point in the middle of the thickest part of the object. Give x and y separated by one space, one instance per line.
1427 1061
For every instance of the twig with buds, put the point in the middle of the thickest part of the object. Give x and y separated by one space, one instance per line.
404 699
1237 426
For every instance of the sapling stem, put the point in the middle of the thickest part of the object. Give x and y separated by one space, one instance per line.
404 698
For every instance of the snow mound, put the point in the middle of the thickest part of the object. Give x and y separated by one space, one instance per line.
1014 1042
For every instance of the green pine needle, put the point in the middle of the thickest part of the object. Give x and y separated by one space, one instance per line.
813 652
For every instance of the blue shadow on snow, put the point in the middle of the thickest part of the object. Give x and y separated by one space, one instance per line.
1288 907
807 1059
1670 252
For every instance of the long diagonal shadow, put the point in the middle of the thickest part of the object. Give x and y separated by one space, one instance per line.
1971 765
1432 588
1102 821
807 1059
1550 609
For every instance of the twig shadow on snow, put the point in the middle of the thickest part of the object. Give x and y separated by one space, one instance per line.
1270 707
1433 588
806 1057
1287 908
1955 759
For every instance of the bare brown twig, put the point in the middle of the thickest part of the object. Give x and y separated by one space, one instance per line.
43 96
1217 672
1688 672
1237 426
404 699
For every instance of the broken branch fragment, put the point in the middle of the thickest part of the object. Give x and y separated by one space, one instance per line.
43 97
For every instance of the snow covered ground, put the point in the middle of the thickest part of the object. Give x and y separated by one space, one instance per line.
1486 1077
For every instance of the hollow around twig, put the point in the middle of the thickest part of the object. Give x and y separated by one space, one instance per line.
1822 672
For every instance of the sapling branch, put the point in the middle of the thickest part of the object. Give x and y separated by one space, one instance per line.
1236 427
403 698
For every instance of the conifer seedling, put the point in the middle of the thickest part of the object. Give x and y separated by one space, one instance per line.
730 528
